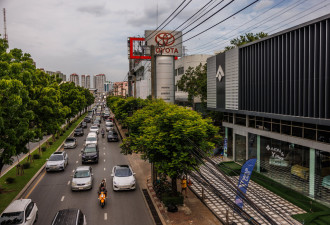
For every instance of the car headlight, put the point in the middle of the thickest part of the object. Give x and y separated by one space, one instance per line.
132 182
114 182
74 183
89 183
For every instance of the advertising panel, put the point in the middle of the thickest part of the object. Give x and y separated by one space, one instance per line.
165 78
166 42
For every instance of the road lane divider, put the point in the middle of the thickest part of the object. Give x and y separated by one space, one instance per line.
105 216
62 199
35 185
69 182
104 168
104 160
76 161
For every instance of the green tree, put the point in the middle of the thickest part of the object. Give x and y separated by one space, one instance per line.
244 39
159 131
194 82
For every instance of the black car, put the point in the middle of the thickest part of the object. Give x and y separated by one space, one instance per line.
69 217
79 132
87 119
90 154
112 136
83 125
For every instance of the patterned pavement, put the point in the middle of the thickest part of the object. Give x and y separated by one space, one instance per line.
276 207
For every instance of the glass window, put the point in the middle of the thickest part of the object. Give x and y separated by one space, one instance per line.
230 118
240 148
323 136
8 218
276 127
267 126
296 131
240 120
252 148
259 124
252 121
310 134
230 143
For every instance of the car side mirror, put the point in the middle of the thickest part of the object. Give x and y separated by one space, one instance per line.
112 175
82 151
92 174
29 218
134 173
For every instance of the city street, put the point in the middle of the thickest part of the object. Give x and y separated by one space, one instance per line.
52 191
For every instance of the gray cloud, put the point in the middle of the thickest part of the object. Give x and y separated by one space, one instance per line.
98 10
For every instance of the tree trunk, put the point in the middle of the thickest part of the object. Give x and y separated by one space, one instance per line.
1 164
174 186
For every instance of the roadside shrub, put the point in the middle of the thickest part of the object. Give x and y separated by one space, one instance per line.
10 180
36 156
50 142
167 199
26 165
43 148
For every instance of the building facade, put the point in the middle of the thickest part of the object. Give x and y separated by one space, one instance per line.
88 82
120 88
83 81
74 78
99 81
275 96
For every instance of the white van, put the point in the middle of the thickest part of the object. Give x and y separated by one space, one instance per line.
91 138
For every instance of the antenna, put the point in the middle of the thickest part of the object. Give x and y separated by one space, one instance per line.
4 22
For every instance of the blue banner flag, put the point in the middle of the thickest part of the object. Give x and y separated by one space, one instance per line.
244 179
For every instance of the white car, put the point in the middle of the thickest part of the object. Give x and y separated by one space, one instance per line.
57 161
91 138
82 178
22 212
123 178
108 123
94 129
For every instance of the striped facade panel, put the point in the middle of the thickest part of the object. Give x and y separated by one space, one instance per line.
211 82
288 74
231 74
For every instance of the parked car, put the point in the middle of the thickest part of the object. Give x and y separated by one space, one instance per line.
112 136
57 161
82 178
109 127
22 212
87 119
94 129
90 153
79 131
91 138
83 125
69 217
123 178
70 142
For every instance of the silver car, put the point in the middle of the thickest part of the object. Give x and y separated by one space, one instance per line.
70 143
123 178
109 127
23 212
82 179
94 129
57 161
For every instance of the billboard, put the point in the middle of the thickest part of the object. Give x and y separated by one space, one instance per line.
166 42
165 78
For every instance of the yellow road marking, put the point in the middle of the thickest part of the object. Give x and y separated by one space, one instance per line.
28 194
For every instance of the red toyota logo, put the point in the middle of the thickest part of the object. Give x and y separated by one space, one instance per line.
164 39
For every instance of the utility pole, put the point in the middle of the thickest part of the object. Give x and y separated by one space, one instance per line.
135 86
153 72
4 25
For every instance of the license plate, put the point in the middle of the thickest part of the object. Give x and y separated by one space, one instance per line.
90 160
80 188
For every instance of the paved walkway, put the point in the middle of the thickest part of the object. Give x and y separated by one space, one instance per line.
276 207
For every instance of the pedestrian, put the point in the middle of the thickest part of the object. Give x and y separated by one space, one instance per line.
184 185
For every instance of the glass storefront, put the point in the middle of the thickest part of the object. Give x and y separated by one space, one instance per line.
240 148
322 175
230 143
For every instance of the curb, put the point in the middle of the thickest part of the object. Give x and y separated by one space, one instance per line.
19 195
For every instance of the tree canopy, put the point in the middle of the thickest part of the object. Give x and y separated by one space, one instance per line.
244 39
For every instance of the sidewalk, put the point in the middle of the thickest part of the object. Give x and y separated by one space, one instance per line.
193 212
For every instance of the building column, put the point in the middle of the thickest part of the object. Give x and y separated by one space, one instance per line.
258 153
234 146
226 138
312 172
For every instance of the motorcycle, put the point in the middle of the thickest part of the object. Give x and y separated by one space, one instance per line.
102 198
102 134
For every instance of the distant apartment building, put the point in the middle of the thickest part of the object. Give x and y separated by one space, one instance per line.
108 86
99 81
83 81
120 88
88 82
74 78
57 73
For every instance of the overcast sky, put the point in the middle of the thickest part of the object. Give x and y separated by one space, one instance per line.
90 36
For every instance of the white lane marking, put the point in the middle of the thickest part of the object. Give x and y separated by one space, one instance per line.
104 160
72 171
103 153
62 199
103 148
79 154
68 182
76 161
105 216
104 169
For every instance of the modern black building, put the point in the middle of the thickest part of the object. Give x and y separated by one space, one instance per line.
275 95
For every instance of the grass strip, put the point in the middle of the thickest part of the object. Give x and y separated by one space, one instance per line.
10 191
314 208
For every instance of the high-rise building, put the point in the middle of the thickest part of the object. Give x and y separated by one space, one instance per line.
74 78
88 82
99 81
83 81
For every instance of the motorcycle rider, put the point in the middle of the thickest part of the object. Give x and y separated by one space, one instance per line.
102 187
102 132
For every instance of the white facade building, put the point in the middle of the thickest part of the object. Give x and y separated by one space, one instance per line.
99 81
88 82
83 81
74 78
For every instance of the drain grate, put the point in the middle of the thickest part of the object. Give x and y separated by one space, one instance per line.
152 207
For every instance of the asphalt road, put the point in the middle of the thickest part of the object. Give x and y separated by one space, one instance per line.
52 191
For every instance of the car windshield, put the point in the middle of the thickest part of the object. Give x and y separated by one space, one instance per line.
12 218
91 139
90 149
94 128
69 140
79 129
123 172
81 174
55 158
